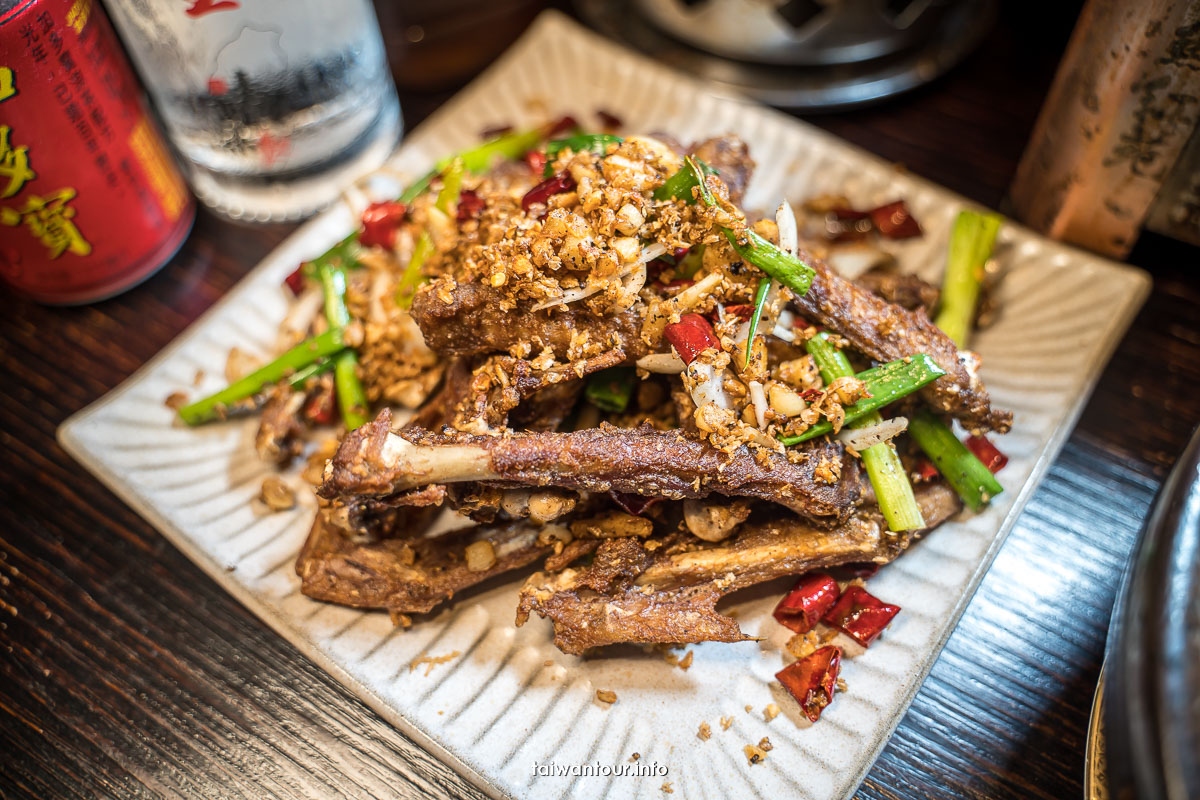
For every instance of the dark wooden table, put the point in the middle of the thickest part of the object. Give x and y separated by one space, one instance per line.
127 673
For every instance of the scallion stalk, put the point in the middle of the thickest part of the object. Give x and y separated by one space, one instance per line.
975 484
893 491
688 177
452 178
412 276
885 384
971 243
302 355
479 159
351 396
760 300
580 143
779 264
302 376
611 389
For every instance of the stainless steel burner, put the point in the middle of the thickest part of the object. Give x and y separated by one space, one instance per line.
800 54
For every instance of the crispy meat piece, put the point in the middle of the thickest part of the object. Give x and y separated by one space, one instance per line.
674 599
887 332
370 519
584 619
578 548
551 394
685 407
373 461
468 318
405 575
616 564
901 288
730 157
767 550
547 408
503 382
439 409
279 430
473 323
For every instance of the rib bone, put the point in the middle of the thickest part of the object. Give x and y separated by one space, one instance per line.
374 461
674 598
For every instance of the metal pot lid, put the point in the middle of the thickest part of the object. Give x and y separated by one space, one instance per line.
810 88
1152 683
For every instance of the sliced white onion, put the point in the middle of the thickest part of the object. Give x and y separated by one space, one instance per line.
862 438
662 363
708 388
634 281
789 237
783 326
781 332
759 398
381 284
789 242
852 260
695 294
633 277
300 315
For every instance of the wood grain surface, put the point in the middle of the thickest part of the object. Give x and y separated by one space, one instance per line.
126 673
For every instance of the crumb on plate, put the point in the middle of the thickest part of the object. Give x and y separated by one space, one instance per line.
754 754
432 661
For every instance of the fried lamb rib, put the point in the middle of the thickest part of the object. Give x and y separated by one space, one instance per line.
467 319
673 597
886 332
373 461
406 575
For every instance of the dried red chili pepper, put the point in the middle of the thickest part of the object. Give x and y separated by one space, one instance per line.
846 214
608 119
494 131
925 470
895 221
810 394
635 504
807 602
560 126
555 184
536 161
860 615
813 679
320 407
740 311
855 569
295 281
379 222
691 336
469 205
656 268
987 452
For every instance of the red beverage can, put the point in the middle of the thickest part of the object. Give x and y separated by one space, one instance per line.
91 202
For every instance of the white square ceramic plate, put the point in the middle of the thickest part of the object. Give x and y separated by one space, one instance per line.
510 700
